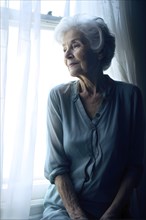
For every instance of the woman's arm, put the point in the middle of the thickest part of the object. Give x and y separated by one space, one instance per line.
69 198
134 173
122 197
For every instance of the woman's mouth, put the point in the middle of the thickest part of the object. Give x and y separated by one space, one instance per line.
72 64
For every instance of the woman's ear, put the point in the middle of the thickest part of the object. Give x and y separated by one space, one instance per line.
100 56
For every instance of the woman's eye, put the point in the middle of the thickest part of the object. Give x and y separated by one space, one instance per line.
76 45
64 50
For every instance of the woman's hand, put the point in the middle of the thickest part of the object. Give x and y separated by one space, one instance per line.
78 215
109 215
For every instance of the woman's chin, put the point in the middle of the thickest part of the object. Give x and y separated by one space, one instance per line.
76 73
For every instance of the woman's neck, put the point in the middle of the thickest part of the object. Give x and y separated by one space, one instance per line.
91 87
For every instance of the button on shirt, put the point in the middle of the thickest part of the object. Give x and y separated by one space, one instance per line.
94 152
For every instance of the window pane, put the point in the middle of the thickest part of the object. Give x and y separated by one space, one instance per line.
56 6
52 72
14 4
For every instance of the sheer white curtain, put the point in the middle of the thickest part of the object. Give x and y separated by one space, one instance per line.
19 110
123 65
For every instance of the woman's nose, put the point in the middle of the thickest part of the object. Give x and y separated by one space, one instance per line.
68 54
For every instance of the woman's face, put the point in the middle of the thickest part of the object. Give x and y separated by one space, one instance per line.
76 53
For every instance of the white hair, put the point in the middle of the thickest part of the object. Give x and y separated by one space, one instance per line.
95 31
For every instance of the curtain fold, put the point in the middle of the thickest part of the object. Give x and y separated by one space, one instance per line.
21 98
3 46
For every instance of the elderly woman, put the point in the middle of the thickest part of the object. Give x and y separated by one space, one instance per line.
95 130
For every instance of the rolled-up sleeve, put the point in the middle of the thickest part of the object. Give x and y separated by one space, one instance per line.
56 160
138 132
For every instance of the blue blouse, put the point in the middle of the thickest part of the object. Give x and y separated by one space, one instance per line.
95 152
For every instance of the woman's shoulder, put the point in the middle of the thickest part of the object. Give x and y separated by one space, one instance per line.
126 88
63 89
122 89
128 92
